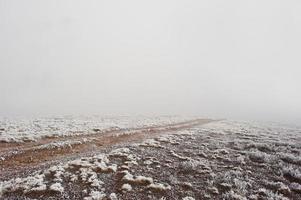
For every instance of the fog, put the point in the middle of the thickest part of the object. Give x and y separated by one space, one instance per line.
222 59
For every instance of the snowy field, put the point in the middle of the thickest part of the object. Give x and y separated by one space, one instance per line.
219 160
24 130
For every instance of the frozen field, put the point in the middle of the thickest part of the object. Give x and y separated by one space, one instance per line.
192 160
24 130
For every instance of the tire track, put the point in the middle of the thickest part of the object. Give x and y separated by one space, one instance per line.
27 157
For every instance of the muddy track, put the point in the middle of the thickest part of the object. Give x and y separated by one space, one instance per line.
25 157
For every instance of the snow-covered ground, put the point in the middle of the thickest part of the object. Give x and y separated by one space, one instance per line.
220 160
20 130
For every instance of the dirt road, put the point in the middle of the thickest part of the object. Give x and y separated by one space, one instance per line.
19 159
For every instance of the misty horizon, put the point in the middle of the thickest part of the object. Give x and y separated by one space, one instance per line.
215 59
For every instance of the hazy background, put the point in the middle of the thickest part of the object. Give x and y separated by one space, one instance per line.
234 59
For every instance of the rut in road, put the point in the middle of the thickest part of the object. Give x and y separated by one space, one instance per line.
27 157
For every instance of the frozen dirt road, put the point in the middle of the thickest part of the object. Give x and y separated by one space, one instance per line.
20 159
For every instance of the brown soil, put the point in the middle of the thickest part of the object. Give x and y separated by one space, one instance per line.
26 157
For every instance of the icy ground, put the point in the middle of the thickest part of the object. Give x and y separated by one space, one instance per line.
24 130
220 160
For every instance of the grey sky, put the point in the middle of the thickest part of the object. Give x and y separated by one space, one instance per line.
234 59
